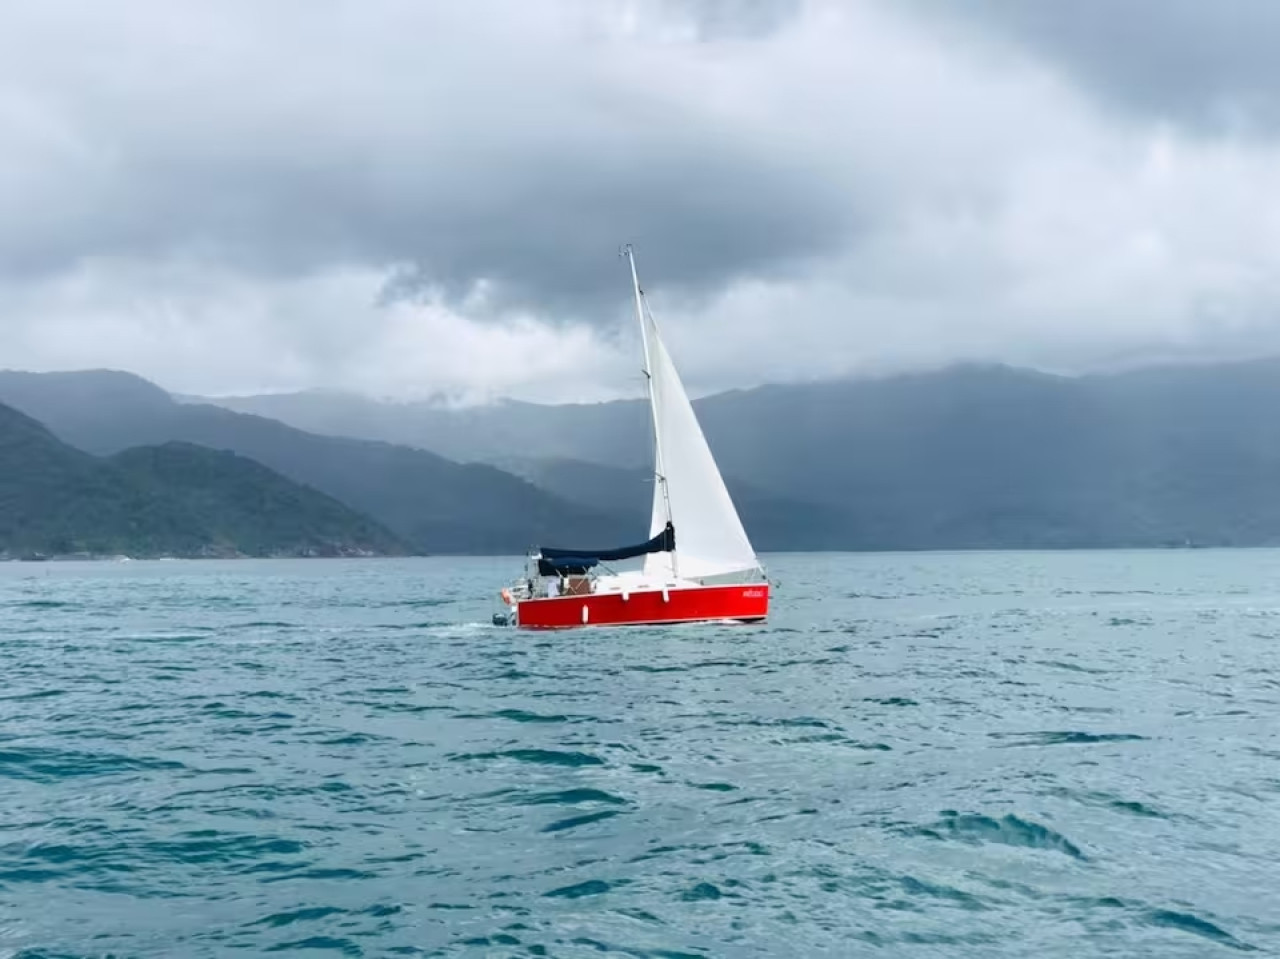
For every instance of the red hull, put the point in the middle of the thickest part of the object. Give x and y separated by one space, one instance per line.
746 602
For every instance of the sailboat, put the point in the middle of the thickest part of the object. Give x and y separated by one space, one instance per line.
698 564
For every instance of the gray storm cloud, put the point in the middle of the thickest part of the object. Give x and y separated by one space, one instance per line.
457 150
1211 66
411 197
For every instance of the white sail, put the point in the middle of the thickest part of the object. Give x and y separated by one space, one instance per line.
689 490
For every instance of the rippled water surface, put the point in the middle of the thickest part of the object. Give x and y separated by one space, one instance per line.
921 755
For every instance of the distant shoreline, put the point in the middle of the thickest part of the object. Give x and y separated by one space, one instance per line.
124 558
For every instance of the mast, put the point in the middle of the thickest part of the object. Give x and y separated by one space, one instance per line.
659 470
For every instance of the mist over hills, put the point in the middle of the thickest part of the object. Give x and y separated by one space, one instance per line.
969 456
614 434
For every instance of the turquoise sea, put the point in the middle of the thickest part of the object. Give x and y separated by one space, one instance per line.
985 754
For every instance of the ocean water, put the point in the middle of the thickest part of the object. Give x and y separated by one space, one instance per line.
1033 754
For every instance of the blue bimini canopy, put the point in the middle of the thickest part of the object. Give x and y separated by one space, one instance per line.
566 565
558 561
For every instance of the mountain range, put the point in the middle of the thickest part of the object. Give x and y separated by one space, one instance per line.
171 500
964 457
970 456
432 504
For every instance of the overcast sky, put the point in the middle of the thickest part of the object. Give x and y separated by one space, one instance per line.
405 197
